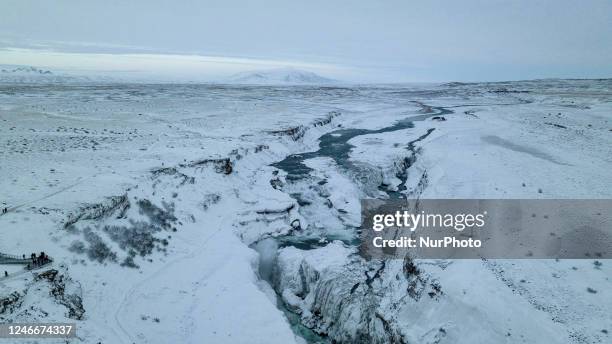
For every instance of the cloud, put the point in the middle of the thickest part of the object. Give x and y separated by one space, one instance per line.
391 40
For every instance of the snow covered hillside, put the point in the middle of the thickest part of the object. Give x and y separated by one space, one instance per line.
228 213
33 75
281 76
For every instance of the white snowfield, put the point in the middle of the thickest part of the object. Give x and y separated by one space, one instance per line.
168 222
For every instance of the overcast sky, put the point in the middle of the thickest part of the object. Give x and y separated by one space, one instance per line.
363 40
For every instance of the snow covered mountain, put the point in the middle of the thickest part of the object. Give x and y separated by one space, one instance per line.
281 76
27 71
35 75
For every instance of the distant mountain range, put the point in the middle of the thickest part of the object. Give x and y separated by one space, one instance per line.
282 76
13 74
26 70
34 75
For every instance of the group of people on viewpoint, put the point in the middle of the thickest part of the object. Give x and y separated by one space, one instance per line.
39 260
36 261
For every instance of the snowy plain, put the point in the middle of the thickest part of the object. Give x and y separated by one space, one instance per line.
211 213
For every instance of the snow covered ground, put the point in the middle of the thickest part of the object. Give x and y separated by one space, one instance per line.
227 213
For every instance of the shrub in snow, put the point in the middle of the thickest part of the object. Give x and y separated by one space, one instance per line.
98 250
